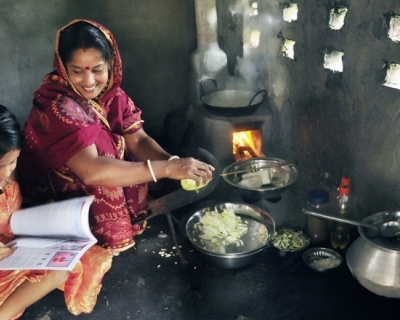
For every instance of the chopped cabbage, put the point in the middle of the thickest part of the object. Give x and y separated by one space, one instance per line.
222 228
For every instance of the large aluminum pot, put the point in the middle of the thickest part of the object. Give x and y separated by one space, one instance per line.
375 260
261 227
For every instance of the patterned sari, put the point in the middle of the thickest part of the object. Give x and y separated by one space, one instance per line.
84 282
60 124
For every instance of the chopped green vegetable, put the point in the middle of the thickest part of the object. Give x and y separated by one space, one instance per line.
288 239
222 228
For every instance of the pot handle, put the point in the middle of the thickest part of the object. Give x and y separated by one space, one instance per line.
202 92
259 92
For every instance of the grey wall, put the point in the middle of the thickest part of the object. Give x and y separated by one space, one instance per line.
155 39
332 123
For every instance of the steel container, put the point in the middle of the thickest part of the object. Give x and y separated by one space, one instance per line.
281 177
234 256
375 260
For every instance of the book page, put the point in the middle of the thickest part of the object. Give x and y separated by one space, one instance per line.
68 219
45 253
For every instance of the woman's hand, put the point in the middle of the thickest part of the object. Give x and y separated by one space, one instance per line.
189 168
5 251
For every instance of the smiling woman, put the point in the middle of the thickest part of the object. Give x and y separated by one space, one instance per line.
85 137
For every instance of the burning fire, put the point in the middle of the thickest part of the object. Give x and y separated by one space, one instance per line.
247 144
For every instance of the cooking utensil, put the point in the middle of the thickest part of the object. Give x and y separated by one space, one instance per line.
388 229
281 177
254 241
375 261
233 102
284 233
322 259
273 165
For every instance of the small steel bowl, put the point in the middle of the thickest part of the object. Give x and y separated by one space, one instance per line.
287 252
281 177
322 259
234 257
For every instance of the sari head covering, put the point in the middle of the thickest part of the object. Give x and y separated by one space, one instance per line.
61 123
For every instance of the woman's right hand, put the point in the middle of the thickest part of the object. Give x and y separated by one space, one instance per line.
5 251
190 168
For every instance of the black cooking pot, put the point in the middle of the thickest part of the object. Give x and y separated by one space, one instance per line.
231 102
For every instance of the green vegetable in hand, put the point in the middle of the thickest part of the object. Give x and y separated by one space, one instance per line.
190 184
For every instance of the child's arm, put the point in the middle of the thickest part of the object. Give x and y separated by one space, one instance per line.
5 251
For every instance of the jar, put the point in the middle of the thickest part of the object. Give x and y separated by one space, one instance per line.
317 228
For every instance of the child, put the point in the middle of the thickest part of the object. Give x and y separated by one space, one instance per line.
21 288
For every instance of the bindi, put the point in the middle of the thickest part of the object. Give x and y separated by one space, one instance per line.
87 68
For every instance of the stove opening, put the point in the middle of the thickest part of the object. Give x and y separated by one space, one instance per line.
247 142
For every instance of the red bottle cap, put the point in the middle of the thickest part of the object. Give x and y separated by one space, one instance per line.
344 190
345 181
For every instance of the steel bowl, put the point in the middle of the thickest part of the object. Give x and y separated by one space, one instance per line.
290 252
280 177
234 256
322 259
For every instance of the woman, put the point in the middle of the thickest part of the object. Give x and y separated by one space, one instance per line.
20 288
85 135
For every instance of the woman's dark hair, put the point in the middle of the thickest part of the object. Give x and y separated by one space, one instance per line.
11 137
83 35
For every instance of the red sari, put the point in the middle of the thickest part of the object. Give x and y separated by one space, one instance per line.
60 124
84 282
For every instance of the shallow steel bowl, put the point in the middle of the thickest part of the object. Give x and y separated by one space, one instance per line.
280 177
322 259
233 256
291 252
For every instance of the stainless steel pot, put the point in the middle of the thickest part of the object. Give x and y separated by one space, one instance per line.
375 260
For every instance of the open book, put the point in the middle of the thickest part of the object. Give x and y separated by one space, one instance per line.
52 236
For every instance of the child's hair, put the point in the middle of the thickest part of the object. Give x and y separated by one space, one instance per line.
11 137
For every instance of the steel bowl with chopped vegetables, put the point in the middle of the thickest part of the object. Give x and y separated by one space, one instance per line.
288 241
230 235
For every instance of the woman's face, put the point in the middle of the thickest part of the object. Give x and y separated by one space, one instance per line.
7 165
88 72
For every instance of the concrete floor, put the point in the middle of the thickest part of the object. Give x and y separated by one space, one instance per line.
142 284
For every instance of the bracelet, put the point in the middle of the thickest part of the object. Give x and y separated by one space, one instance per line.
172 158
151 170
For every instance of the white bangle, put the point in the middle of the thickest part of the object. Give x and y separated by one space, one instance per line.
172 158
151 170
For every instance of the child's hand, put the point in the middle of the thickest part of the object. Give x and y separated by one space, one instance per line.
5 251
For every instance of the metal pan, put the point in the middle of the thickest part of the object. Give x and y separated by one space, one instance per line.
231 102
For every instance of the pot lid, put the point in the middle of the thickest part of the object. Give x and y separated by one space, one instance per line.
382 220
